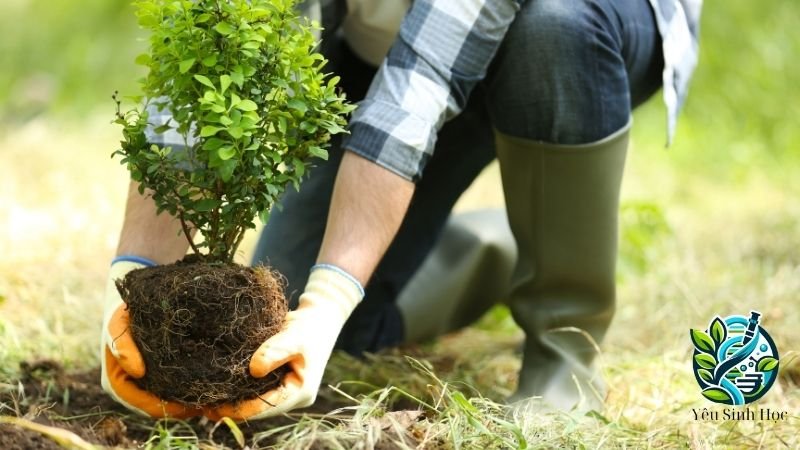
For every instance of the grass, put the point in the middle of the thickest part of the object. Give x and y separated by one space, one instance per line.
709 226
723 249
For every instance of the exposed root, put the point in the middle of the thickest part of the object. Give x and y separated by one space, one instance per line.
197 326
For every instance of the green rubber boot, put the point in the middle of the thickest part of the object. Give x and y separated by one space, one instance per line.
467 272
562 203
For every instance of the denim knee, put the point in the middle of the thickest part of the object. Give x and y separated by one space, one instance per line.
559 76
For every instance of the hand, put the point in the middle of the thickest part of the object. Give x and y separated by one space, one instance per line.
121 361
305 343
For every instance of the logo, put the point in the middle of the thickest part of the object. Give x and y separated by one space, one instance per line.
735 360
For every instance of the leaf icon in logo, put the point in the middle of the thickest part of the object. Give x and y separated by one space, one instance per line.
767 363
718 330
717 395
702 341
705 360
733 374
705 375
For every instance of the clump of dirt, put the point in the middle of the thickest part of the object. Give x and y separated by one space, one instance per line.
13 438
198 324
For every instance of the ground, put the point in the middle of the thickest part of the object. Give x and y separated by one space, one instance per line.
692 247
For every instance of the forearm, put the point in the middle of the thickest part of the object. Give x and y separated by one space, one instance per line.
155 237
368 205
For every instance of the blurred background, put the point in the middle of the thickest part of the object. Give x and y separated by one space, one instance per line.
709 226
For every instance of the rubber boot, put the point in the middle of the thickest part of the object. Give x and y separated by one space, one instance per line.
467 271
562 203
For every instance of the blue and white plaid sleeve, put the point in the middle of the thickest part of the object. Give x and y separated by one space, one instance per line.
441 52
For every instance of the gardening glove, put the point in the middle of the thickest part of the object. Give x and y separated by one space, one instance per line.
305 343
121 361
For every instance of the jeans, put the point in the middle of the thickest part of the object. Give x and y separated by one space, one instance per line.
566 73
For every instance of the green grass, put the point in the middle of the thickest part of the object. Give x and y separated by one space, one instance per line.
709 226
64 58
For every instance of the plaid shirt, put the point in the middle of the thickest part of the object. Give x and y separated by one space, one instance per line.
441 52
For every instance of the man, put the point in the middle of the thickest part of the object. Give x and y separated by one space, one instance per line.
547 87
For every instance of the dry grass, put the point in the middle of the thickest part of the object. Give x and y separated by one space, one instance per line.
723 249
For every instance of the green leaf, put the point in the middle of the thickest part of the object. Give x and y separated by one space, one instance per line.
235 132
705 360
705 375
226 170
717 395
186 64
209 130
718 330
282 125
237 78
224 28
767 364
235 100
249 121
264 216
213 144
143 60
210 61
702 341
206 204
227 152
204 79
332 127
224 82
298 105
319 152
333 81
247 105
308 127
299 167
280 82
162 129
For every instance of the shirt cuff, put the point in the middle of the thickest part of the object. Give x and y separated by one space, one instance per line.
389 136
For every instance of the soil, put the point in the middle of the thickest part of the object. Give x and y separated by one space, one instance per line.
48 395
198 324
74 401
13 438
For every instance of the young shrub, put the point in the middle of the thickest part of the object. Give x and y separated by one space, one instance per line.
248 97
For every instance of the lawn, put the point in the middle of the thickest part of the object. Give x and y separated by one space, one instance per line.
709 226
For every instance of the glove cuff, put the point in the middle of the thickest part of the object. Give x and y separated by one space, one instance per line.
121 265
341 272
331 285
134 259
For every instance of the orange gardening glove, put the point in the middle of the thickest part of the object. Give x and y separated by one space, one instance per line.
305 343
121 361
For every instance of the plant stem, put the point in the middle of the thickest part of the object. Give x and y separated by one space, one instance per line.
188 234
236 244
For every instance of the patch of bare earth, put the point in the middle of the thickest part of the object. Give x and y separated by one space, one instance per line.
48 395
